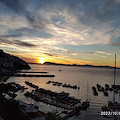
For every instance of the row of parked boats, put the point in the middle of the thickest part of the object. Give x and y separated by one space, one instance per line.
31 84
116 88
105 90
18 86
101 89
38 97
63 85
61 99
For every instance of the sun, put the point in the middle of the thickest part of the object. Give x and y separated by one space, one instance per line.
42 60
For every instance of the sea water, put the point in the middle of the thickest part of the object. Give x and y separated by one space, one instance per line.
83 77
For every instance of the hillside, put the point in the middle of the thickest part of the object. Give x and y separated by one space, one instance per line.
10 63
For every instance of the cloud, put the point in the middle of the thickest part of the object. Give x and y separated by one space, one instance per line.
48 27
115 43
109 11
20 7
101 52
67 59
89 53
103 56
71 53
96 53
8 41
57 56
69 30
74 32
37 22
15 5
50 54
117 1
24 44
9 36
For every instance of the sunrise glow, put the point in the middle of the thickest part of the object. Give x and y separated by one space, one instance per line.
42 60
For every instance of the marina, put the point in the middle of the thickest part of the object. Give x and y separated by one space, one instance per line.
57 60
61 99
43 95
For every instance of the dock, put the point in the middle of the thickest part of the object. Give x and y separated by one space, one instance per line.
76 110
72 113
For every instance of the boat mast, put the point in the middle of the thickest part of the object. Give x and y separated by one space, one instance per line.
88 98
114 80
115 69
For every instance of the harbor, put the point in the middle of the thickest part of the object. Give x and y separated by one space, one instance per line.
49 97
61 99
57 59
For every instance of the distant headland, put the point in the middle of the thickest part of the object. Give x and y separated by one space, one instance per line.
86 65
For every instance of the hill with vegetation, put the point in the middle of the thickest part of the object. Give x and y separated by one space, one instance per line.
10 63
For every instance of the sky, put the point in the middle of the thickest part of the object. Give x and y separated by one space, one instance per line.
61 31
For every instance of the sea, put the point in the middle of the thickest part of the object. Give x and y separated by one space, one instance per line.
84 77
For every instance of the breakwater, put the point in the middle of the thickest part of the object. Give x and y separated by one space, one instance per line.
30 72
25 75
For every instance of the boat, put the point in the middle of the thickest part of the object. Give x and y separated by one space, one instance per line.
106 87
86 104
48 82
105 93
112 105
95 91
